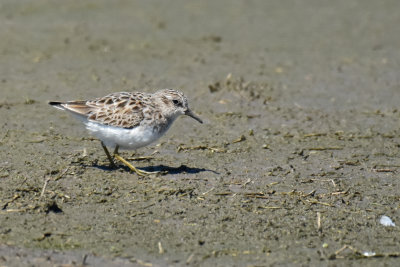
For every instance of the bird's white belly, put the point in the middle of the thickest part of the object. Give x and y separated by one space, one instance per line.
125 138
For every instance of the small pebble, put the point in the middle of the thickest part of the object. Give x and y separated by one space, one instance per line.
369 254
386 221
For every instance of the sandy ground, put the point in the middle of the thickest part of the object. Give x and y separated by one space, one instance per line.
295 165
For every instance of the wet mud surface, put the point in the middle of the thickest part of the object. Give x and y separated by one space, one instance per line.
297 161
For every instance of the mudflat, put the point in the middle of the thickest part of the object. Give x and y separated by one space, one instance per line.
296 163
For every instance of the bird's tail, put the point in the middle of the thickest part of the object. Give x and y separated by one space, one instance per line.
57 104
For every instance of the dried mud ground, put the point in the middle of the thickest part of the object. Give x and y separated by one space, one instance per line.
297 160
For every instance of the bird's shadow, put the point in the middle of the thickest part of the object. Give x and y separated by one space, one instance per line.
162 169
177 170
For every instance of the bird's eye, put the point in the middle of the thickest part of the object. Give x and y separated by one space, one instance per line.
176 102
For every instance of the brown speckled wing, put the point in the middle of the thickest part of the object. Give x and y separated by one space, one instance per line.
123 110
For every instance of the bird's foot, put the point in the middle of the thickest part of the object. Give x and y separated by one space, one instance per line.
133 168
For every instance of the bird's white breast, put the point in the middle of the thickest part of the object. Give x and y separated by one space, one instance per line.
111 136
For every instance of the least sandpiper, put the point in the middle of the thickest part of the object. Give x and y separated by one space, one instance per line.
129 120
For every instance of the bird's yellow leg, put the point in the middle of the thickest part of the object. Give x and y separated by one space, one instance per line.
130 166
112 164
136 158
133 168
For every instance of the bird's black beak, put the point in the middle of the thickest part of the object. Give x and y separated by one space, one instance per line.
194 116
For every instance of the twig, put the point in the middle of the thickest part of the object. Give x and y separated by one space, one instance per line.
383 170
256 195
46 181
223 194
13 210
325 148
10 201
318 202
240 139
160 248
314 134
143 263
247 182
270 207
338 193
61 174
189 259
208 191
319 221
